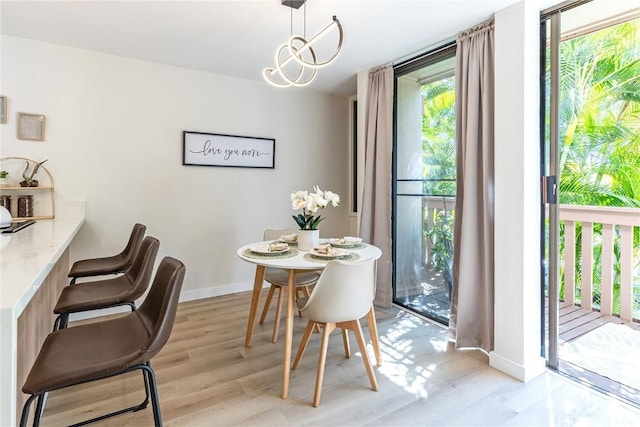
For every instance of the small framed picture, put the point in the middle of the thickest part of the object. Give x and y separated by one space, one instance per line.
31 126
3 109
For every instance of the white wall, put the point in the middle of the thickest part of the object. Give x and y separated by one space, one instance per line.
114 138
517 193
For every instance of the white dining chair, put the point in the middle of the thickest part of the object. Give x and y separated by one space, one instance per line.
343 295
279 279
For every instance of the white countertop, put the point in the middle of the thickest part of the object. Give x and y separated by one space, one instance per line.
27 256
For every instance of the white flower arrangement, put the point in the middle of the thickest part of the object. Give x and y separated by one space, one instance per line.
310 203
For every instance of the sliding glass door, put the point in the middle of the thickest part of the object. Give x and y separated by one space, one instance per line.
592 123
424 183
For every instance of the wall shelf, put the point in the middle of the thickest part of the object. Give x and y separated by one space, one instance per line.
43 195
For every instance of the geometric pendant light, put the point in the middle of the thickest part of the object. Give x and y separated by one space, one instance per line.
297 61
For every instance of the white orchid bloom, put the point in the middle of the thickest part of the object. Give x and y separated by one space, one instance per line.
314 203
318 199
310 203
318 191
333 198
299 200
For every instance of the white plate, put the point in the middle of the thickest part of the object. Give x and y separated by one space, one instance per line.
340 253
345 243
264 250
290 243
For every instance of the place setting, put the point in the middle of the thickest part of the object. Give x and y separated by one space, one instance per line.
347 242
328 252
271 250
289 239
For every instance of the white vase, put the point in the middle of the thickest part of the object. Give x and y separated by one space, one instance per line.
307 239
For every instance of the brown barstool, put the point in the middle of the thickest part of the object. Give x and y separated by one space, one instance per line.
108 348
120 290
112 264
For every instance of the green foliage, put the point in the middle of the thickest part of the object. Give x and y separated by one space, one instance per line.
307 222
441 237
439 138
600 137
600 117
439 168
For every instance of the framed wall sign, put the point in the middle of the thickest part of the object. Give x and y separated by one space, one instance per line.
214 149
3 109
31 126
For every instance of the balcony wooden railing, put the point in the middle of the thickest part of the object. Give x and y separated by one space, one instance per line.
616 232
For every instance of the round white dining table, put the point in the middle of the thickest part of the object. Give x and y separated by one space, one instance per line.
297 261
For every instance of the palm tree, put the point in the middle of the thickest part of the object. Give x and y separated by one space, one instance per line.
600 129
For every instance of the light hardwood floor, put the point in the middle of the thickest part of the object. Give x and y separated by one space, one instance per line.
206 377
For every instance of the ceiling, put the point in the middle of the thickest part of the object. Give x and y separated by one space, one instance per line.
239 37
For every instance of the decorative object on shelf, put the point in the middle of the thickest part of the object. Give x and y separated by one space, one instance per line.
297 61
3 109
42 203
29 180
215 149
4 182
310 203
25 206
31 126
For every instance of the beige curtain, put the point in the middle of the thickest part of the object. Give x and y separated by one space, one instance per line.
375 220
471 321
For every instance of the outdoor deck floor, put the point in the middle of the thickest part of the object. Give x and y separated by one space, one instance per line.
576 321
579 353
611 364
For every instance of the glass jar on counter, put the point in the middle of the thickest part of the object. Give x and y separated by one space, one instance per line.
25 206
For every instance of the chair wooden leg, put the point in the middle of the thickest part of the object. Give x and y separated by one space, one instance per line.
373 331
267 303
276 325
299 292
328 328
305 292
303 344
345 341
365 356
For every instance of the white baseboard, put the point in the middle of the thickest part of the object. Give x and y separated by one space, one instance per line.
520 372
233 288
